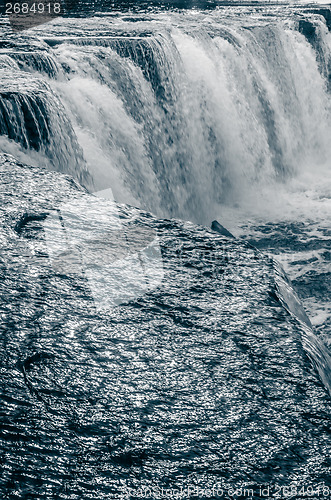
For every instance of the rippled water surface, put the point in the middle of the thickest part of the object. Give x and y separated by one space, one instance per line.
203 380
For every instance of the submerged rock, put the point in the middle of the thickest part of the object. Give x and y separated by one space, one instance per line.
326 13
216 226
199 381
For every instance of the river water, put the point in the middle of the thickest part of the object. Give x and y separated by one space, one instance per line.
197 114
192 114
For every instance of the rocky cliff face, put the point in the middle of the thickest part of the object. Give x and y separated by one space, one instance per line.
198 378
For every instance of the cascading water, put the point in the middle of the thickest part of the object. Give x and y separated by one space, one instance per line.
196 114
157 353
249 105
189 113
32 117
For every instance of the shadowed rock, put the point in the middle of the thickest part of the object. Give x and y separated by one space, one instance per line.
216 226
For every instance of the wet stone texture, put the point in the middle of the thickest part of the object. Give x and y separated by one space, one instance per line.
200 381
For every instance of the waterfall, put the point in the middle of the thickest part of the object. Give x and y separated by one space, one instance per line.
187 114
32 116
181 116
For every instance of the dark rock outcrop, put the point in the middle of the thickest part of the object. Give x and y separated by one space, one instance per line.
216 226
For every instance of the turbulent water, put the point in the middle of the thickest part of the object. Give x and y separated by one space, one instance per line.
222 113
194 114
